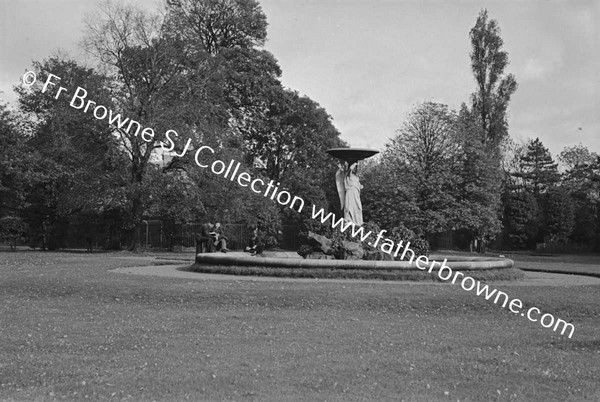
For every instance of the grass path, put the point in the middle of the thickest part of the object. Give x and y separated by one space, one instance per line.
71 329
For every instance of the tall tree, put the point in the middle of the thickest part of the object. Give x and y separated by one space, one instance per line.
390 200
155 84
521 216
425 152
275 127
201 71
443 177
291 134
537 168
78 164
13 162
582 179
214 25
534 174
560 215
494 88
480 179
579 163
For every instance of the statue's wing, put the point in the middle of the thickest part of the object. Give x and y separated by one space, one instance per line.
339 182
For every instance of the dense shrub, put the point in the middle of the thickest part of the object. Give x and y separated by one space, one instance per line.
305 250
417 244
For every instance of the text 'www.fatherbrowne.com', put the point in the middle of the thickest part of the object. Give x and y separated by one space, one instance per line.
444 272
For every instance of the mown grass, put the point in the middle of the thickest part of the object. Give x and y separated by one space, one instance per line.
72 330
588 264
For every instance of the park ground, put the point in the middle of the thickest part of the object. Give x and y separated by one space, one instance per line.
72 328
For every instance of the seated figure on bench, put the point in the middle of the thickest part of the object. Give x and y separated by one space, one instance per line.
220 240
254 246
204 240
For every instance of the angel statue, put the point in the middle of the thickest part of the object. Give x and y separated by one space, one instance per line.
348 186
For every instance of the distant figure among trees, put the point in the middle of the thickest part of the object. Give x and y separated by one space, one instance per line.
89 243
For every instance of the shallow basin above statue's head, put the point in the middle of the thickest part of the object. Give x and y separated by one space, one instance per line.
352 155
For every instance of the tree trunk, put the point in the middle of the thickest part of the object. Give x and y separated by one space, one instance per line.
136 212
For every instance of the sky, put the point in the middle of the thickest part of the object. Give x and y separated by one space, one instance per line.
369 63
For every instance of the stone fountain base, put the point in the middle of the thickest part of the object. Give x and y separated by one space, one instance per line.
288 260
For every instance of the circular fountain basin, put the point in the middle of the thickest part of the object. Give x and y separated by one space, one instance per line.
287 260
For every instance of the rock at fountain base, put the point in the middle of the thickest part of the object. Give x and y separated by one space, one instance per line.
317 255
353 251
323 241
378 256
349 250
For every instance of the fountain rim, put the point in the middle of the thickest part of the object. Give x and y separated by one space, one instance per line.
460 263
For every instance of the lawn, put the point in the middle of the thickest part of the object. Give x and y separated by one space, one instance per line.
588 263
72 329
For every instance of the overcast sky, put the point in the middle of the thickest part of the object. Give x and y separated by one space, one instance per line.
368 63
